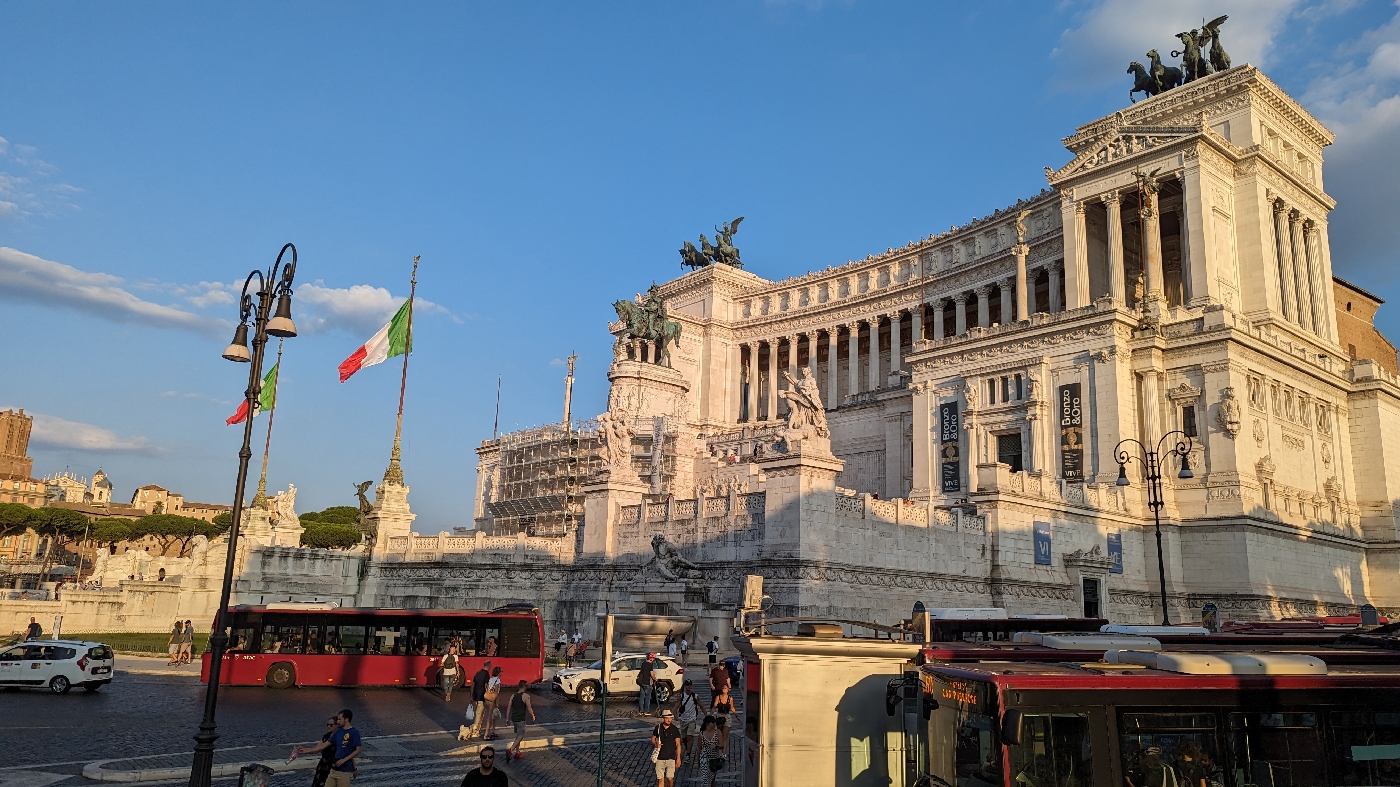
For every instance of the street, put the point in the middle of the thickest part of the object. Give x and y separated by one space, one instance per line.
146 721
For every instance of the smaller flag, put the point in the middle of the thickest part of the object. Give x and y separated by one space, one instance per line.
267 399
391 341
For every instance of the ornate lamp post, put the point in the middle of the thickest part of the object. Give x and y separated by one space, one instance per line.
264 322
1151 462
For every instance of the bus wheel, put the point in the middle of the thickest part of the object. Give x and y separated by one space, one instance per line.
587 692
281 675
663 692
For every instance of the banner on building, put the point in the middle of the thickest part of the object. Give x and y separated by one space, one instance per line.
950 461
1071 433
1115 552
1042 543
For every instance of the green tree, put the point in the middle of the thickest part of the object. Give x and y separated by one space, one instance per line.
335 515
110 530
14 518
329 536
224 520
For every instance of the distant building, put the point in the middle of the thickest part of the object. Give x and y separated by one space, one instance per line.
15 462
159 500
67 487
1356 326
29 491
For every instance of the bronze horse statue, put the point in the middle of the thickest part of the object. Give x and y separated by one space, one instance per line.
642 324
1142 81
1167 77
1193 66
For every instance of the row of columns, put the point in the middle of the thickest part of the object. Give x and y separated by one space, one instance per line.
1304 296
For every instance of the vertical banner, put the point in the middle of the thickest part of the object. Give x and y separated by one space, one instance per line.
950 462
1115 552
1071 433
1042 543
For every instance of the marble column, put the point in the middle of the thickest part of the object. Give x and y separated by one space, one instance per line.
1320 299
1077 262
1283 244
894 342
736 396
938 308
1023 311
873 381
1152 407
1007 317
773 347
791 369
813 340
853 359
1116 284
984 311
960 314
753 382
916 328
833 381
1303 284
1056 303
1152 251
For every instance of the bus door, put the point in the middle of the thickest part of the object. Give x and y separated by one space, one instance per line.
1063 746
963 734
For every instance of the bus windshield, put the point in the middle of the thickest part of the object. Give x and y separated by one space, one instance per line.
963 744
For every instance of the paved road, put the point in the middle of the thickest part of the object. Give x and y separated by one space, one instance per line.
149 715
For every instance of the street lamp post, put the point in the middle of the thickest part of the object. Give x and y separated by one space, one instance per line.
1151 461
265 322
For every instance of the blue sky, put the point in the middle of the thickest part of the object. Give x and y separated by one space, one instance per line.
545 160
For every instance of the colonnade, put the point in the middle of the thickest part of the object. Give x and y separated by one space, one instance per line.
1305 291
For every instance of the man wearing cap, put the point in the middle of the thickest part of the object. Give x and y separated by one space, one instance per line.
644 681
666 738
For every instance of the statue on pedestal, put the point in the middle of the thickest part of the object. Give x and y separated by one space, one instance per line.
617 432
806 416
645 319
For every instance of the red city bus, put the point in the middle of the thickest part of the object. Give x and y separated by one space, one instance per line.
1197 719
283 645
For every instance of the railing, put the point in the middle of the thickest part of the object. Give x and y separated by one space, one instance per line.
481 548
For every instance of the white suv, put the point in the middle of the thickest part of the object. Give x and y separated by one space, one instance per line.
581 683
57 665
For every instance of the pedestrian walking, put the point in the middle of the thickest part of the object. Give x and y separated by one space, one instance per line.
644 681
713 648
688 715
722 705
666 750
485 774
670 643
493 692
685 650
323 768
448 674
521 706
173 645
719 678
712 744
187 643
479 706
344 741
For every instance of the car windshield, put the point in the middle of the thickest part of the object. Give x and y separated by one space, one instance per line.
16 652
598 665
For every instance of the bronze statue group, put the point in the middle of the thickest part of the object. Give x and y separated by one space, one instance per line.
1196 61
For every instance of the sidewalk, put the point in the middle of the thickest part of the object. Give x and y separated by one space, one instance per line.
379 750
154 665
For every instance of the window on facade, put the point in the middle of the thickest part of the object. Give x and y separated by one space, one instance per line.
992 391
1020 390
1006 389
1188 420
1009 450
1091 598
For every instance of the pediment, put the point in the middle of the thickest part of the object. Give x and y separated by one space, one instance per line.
1120 145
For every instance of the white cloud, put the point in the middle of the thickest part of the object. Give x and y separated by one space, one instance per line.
53 432
360 308
1115 32
30 279
27 185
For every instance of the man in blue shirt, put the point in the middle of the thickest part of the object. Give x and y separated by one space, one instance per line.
347 747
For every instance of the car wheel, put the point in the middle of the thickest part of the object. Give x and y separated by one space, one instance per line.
59 685
663 692
281 675
587 692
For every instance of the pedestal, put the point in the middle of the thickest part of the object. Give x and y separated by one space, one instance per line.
799 501
256 527
647 390
602 502
390 517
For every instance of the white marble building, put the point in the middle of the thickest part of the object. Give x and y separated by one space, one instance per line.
1198 300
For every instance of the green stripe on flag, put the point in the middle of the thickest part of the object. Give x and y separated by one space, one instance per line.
267 399
398 332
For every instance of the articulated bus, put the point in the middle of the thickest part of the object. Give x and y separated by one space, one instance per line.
283 645
1152 719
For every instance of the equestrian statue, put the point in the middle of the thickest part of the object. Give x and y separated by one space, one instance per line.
722 251
645 320
1196 62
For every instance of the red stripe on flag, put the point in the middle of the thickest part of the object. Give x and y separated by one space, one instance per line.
240 416
352 364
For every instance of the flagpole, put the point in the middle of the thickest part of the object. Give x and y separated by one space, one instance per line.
394 473
260 499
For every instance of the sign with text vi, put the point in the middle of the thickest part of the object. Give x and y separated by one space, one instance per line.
1115 552
1042 543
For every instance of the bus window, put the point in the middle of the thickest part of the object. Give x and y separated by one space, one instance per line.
313 636
282 636
964 747
387 640
462 634
245 637
1170 750
1277 749
418 640
1365 748
1054 752
520 637
346 640
490 643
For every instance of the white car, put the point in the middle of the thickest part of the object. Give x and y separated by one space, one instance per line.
581 683
57 664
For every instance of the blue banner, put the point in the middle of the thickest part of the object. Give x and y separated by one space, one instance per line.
1042 543
1115 552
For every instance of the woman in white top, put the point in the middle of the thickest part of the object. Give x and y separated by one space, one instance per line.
493 693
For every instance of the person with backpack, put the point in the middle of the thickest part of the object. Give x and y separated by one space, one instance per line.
644 681
712 647
448 674
688 714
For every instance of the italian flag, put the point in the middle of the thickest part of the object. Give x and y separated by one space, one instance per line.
390 342
267 399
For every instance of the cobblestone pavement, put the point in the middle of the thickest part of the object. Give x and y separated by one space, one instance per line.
154 716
